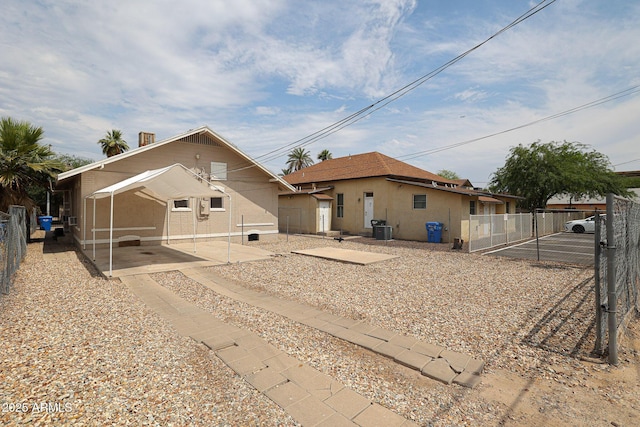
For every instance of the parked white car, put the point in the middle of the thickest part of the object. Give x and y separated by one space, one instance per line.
587 225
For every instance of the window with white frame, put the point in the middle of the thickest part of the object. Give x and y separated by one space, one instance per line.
181 205
340 205
419 201
216 204
218 171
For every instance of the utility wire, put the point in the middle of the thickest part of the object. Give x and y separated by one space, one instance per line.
381 103
627 92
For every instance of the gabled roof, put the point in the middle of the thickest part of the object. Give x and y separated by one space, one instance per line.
366 165
201 130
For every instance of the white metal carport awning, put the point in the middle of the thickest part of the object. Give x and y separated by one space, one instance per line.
173 182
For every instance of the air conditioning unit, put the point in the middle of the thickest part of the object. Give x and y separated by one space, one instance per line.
73 220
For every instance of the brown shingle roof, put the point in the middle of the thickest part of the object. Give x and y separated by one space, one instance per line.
359 166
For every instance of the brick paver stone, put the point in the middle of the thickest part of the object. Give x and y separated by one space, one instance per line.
218 342
378 416
336 420
412 359
286 394
457 361
265 379
388 349
310 411
427 349
348 402
281 362
467 379
381 333
440 370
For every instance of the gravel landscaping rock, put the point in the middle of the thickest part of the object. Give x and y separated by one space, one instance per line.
81 350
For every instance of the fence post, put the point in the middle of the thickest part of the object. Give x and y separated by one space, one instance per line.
596 275
611 285
535 226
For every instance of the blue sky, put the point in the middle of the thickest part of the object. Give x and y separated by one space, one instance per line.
265 73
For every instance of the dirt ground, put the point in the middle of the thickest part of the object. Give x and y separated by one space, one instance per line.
593 390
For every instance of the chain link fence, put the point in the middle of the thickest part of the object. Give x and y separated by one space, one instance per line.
488 231
617 271
13 243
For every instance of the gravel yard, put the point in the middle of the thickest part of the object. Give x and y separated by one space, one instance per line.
72 338
81 350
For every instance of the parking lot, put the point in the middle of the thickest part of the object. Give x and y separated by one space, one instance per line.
560 247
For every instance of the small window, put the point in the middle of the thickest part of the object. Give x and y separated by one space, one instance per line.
419 201
508 208
218 171
216 204
472 207
181 205
340 205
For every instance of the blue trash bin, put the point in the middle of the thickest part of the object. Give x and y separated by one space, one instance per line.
45 222
434 231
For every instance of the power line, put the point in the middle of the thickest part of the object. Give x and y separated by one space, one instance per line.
627 92
399 93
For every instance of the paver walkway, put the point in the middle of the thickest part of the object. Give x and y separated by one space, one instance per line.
308 395
431 360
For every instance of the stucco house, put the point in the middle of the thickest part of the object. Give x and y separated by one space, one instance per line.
346 194
243 201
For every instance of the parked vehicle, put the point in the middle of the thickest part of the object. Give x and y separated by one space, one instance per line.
587 225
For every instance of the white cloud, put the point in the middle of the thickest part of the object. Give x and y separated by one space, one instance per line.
265 73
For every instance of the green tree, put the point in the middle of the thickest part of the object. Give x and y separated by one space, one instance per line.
39 194
325 155
71 161
445 173
24 162
541 171
112 144
299 158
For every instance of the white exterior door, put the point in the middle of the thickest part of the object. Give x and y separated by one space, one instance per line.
324 216
368 209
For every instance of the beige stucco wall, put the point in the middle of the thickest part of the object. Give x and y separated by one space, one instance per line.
393 202
254 200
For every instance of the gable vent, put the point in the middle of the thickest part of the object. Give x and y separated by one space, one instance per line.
200 139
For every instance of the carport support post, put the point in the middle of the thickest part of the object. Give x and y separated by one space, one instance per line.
611 285
84 224
193 200
110 239
93 229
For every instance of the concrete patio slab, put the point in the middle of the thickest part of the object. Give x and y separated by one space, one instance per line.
144 259
346 255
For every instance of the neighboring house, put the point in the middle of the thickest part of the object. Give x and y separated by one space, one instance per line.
247 202
354 190
588 205
562 202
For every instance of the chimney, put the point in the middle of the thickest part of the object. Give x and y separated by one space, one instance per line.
146 138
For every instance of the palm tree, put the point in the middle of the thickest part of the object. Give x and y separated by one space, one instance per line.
299 158
113 144
325 155
24 162
286 171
